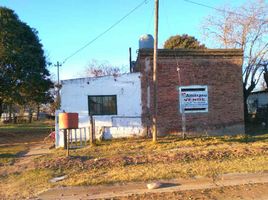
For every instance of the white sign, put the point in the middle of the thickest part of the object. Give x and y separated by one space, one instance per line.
193 99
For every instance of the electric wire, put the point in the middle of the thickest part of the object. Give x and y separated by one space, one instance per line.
214 8
221 10
183 116
211 116
105 31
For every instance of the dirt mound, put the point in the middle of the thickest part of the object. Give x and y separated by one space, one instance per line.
166 157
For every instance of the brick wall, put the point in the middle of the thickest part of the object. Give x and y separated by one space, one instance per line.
220 70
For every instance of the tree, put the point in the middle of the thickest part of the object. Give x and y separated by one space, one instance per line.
265 74
247 28
183 41
24 78
56 103
97 68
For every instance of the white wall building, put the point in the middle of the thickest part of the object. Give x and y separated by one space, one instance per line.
257 100
115 103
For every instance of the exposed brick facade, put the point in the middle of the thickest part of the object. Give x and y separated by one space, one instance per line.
220 70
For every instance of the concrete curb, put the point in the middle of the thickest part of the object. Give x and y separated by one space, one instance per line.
124 190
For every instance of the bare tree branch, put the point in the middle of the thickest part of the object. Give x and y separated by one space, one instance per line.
97 68
244 27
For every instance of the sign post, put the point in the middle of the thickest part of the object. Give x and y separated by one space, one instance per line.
183 121
193 99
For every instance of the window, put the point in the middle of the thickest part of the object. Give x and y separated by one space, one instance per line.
102 105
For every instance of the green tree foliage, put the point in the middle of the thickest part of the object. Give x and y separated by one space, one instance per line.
24 78
183 41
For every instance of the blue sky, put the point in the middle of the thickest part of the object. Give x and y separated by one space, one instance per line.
66 25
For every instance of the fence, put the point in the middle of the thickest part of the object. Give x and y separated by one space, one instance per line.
76 138
23 119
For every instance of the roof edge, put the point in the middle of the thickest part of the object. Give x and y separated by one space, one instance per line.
191 52
99 77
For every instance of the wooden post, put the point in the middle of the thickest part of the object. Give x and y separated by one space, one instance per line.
183 117
65 138
85 134
183 120
155 72
92 131
67 145
81 144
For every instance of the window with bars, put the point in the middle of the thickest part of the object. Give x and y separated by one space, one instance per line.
102 105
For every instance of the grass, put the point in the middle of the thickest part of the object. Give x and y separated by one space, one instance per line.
14 138
25 184
25 133
126 160
9 153
174 170
44 124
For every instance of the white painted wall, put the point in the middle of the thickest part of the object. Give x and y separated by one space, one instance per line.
257 100
127 88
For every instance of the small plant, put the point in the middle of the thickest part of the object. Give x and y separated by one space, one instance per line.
247 138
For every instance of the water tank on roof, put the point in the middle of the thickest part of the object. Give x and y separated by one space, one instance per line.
146 41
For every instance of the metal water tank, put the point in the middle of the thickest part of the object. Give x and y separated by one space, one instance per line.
146 41
68 120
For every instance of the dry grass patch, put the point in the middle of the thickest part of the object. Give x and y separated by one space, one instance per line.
140 160
25 133
148 171
9 153
126 160
24 185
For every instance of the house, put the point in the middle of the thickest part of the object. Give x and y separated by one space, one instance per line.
257 100
203 88
114 102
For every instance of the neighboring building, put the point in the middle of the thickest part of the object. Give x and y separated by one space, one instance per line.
257 100
205 86
114 102
211 88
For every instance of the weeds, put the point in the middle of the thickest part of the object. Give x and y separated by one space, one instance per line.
125 160
9 153
214 174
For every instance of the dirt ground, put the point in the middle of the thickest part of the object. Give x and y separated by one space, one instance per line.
247 192
230 186
35 149
227 187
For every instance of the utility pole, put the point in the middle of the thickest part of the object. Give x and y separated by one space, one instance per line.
155 72
58 65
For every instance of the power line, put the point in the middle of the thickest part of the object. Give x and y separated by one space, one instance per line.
211 7
108 29
220 10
